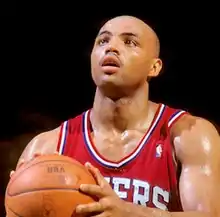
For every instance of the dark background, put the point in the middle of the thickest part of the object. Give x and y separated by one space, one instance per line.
8 8
45 67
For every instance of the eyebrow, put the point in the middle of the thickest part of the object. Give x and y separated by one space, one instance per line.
122 34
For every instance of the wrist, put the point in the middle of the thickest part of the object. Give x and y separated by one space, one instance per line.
135 210
142 211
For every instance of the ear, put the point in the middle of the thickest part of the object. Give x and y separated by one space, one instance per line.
155 67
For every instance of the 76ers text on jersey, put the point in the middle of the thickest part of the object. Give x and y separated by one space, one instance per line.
142 192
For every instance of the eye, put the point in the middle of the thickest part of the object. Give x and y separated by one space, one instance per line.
102 41
130 42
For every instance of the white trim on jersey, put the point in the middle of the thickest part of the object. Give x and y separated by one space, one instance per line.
174 117
63 138
128 158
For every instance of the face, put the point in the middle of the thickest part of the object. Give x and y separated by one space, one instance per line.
124 53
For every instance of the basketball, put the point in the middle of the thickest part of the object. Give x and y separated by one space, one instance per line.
47 186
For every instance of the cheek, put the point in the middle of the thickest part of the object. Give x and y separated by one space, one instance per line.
135 73
97 54
131 77
136 59
136 68
93 58
94 62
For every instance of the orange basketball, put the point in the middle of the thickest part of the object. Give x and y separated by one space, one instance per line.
47 186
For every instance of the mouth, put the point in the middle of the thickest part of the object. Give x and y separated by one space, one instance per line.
110 61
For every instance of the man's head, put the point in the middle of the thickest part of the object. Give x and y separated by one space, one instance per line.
125 54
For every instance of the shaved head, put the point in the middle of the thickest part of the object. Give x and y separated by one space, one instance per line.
150 34
132 47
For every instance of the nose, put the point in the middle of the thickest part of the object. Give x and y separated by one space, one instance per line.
112 48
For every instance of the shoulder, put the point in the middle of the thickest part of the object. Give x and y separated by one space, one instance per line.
46 137
48 140
193 136
43 143
193 125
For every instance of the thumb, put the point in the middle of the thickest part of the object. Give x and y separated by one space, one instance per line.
11 173
20 163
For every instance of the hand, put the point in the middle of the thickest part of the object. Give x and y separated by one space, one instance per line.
109 204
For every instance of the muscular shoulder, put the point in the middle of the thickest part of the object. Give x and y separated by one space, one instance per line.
44 143
46 139
194 136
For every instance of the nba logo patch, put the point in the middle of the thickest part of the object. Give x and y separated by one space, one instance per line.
159 151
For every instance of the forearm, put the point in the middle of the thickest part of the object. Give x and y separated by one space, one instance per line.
159 213
141 211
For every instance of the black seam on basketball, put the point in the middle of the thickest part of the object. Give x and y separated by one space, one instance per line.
14 212
43 189
48 161
14 178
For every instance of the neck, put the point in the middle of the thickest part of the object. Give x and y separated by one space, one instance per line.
126 113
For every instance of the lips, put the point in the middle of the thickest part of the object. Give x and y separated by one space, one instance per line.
110 61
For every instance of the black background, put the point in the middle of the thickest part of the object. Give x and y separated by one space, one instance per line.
45 65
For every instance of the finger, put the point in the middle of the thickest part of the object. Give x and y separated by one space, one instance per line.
36 155
103 214
20 164
88 208
11 173
22 161
93 190
96 173
40 154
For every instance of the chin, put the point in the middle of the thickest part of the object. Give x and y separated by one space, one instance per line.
111 81
112 90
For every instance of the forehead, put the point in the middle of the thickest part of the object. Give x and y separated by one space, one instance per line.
124 24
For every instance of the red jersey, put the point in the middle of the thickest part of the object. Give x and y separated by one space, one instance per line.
147 176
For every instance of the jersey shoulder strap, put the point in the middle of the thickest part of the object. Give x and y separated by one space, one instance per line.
173 115
68 127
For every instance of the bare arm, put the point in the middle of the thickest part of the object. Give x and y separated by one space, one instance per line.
197 145
44 143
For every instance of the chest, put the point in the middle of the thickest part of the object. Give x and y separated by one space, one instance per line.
138 165
115 146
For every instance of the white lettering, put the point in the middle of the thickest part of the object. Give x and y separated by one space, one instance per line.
142 192
138 197
160 193
123 183
107 179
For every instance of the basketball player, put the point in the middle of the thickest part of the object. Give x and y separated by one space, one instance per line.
149 160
